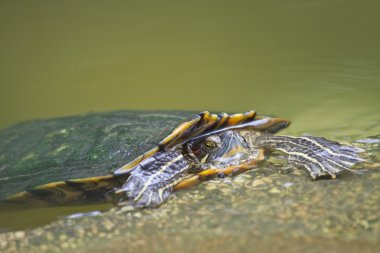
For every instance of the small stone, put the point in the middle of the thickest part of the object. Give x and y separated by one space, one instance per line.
274 190
49 237
364 224
81 232
261 181
127 208
288 184
214 181
239 181
108 225
94 229
62 238
375 176
19 234
3 244
297 172
210 187
225 190
368 141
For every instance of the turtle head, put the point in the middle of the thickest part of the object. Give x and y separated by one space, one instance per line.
220 150
233 145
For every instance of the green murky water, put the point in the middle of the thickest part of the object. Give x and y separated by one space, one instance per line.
314 62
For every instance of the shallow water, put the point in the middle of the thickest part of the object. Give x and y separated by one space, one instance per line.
316 63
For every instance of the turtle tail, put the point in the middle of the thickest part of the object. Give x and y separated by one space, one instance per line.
317 155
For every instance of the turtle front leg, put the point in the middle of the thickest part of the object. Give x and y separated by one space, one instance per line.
211 172
151 182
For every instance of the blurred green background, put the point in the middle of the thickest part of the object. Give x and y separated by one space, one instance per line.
315 62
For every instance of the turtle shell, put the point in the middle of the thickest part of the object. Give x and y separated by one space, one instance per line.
87 149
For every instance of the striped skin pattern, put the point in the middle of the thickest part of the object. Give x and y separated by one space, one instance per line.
151 182
317 155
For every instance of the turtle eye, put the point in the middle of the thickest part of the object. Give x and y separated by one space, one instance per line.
212 143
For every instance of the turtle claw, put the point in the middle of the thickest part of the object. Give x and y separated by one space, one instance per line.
137 194
325 157
150 182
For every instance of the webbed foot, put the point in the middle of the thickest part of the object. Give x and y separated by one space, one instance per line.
151 182
319 156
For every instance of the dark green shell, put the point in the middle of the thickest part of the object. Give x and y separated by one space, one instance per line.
43 151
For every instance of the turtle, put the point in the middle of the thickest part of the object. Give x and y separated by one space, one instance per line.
139 158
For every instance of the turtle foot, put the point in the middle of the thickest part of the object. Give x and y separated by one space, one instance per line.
135 193
319 156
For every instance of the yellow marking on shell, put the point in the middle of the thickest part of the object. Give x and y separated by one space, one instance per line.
70 193
236 118
208 120
98 179
223 118
51 185
28 157
138 159
177 132
59 149
25 198
239 117
59 193
269 122
63 132
161 170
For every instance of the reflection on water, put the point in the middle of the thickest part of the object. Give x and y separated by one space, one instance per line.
316 63
300 60
16 218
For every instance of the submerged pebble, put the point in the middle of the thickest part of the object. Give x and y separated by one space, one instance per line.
368 141
287 184
261 182
81 215
274 190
